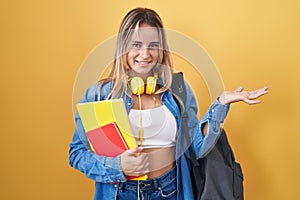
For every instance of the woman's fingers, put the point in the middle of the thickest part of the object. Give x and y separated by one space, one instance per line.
251 97
134 162
258 93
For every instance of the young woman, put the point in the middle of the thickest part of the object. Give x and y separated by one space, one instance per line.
142 52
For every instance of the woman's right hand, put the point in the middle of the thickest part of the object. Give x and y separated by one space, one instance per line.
134 162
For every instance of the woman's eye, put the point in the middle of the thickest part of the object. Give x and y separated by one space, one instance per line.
136 45
154 45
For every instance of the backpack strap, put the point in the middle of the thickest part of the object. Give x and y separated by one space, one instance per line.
197 170
178 88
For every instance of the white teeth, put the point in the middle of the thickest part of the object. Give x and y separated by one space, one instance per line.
143 62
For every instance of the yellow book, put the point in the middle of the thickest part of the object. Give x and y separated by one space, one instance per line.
88 116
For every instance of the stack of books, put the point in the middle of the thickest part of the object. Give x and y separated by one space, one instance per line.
107 128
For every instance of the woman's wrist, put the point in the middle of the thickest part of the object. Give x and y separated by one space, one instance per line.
221 99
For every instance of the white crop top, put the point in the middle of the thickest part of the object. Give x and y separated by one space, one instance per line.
159 127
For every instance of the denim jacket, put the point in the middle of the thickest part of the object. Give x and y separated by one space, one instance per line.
107 172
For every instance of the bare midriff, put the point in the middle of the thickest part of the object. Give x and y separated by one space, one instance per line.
161 160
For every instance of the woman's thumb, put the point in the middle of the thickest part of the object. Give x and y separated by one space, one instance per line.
239 89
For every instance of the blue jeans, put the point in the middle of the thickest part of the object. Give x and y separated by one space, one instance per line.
162 187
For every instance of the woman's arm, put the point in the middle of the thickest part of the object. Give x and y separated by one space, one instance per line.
210 123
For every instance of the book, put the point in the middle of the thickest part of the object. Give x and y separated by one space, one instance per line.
107 127
96 114
107 140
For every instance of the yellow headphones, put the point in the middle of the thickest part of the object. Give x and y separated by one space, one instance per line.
137 85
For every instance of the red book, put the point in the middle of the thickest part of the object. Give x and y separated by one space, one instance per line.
107 140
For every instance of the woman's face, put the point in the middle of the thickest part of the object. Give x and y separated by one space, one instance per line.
143 50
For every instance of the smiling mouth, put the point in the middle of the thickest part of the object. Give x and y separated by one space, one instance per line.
143 63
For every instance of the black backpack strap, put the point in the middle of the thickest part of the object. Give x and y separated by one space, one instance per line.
197 170
178 88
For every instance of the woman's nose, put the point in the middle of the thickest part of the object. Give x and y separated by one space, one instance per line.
144 52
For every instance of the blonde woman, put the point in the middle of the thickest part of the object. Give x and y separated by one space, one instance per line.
142 51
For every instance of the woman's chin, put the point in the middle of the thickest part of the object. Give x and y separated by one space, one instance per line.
141 73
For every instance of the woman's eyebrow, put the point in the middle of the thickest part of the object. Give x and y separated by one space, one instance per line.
139 42
154 42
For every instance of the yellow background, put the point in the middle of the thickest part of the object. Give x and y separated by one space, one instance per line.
43 43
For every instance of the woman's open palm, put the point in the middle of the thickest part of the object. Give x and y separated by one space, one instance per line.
249 97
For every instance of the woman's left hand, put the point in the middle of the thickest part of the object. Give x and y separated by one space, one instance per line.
249 97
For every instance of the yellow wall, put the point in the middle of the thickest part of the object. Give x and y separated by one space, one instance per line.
43 43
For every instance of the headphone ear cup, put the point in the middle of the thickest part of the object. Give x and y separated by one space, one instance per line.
151 84
137 85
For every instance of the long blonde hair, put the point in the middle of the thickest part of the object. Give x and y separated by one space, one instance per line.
120 67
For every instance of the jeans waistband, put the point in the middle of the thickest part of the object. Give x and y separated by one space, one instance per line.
153 184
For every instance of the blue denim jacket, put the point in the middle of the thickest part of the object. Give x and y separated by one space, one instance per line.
107 171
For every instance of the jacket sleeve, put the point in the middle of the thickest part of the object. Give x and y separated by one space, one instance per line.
81 157
215 116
